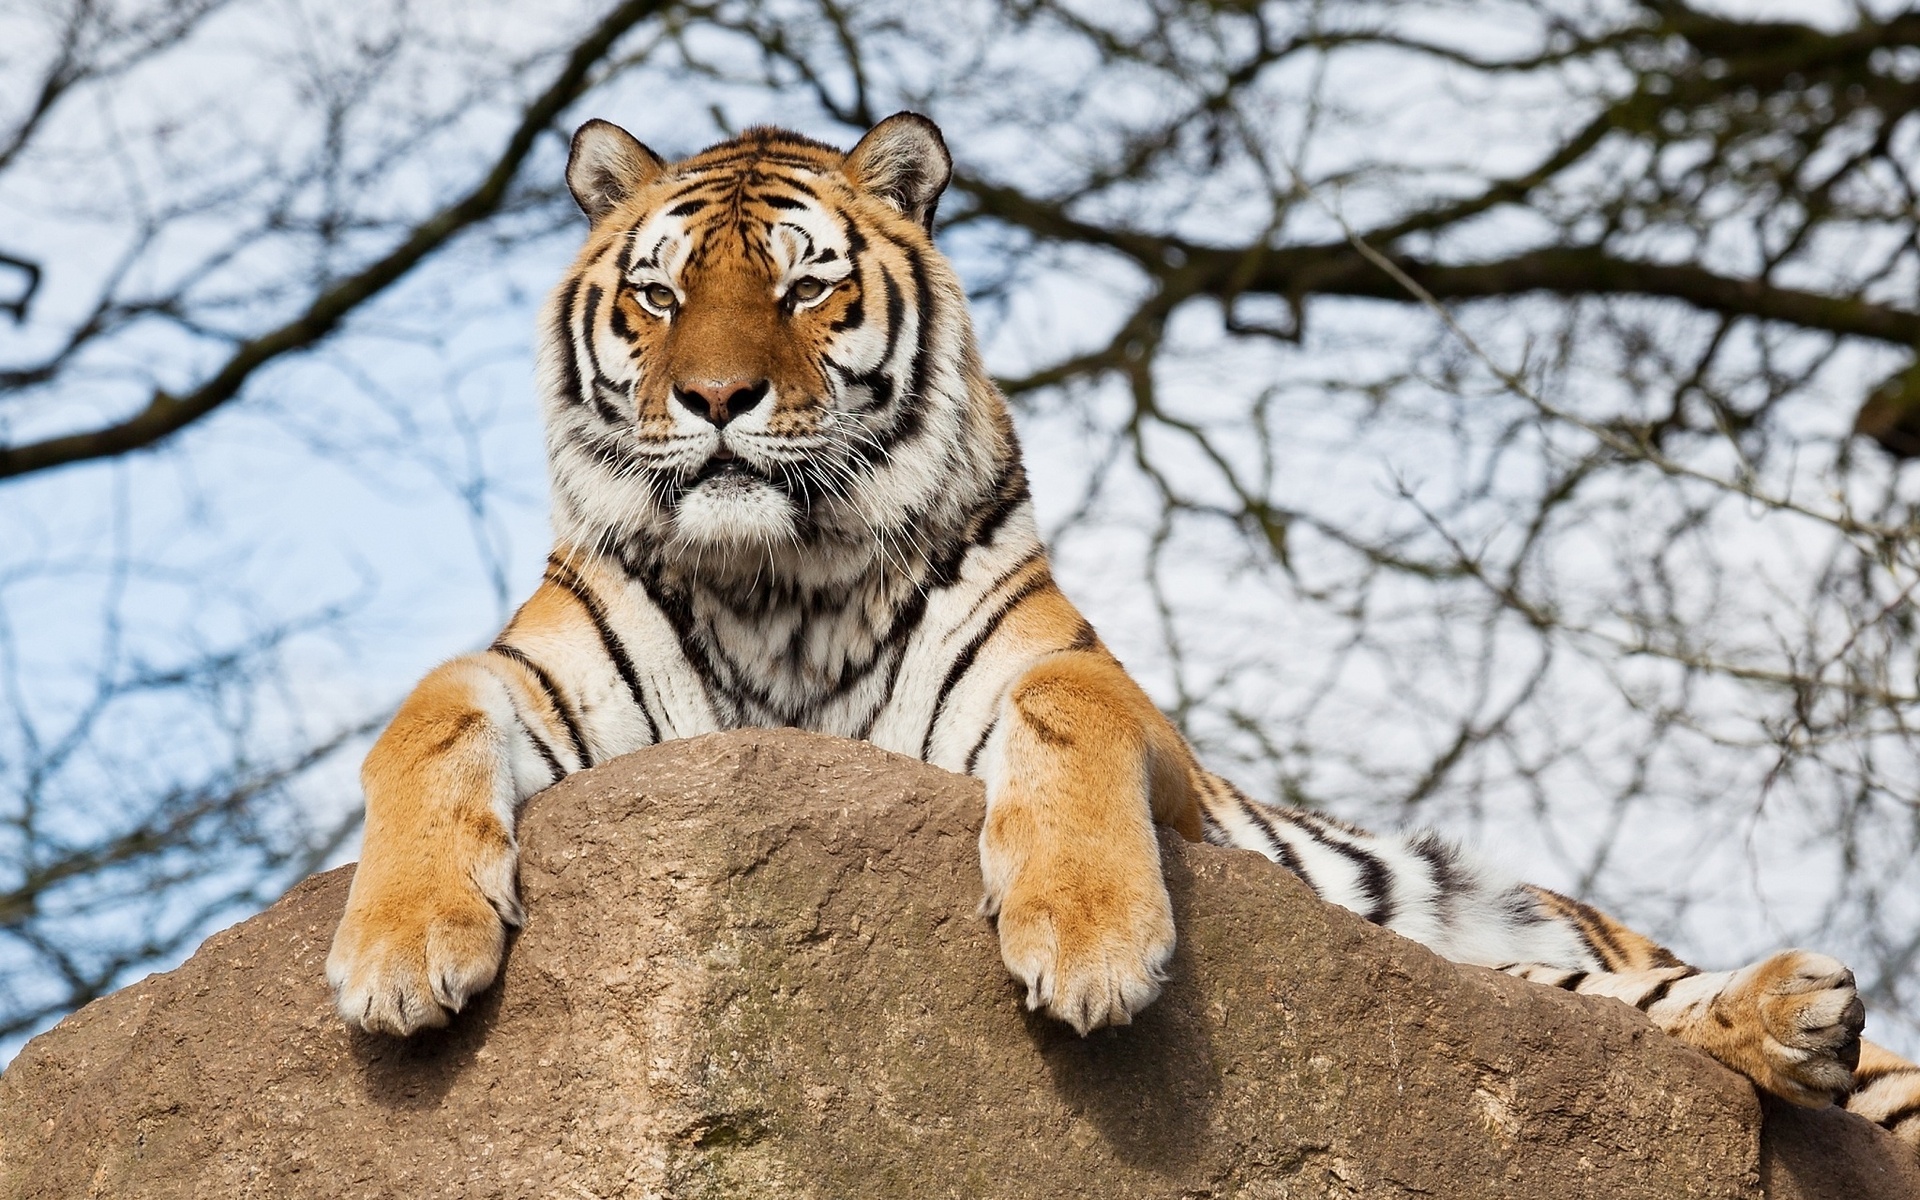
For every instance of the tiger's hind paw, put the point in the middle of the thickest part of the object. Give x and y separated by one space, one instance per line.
1810 1018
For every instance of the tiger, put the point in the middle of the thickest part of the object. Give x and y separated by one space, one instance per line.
786 492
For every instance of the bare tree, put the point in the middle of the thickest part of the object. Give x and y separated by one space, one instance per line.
1487 414
175 245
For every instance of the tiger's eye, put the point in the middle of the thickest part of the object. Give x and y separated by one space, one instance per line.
805 290
660 296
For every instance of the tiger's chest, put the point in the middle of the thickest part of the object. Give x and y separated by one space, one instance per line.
821 654
816 662
860 654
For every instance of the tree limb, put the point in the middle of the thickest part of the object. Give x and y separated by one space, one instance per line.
1295 273
166 414
17 306
1335 270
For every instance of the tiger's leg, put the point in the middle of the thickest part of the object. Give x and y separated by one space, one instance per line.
426 918
1791 1023
1886 1091
1076 767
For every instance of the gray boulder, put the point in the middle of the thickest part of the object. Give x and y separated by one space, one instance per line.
752 967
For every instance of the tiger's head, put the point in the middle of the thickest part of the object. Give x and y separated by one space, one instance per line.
759 350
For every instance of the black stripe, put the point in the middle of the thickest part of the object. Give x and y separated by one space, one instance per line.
856 314
1586 922
627 247
923 349
804 236
907 417
980 743
896 302
587 318
546 751
1594 948
563 576
992 590
570 360
1442 862
1283 852
679 614
617 322
597 392
762 141
907 422
554 698
963 662
610 454
651 261
698 184
1009 493
1904 1113
1660 990
591 391
751 189
1655 996
1573 981
878 383
539 743
759 156
856 245
905 621
1375 880
1866 1076
1597 925
687 208
879 387
1663 957
1324 822
886 692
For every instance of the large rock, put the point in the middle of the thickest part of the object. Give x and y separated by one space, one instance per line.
752 967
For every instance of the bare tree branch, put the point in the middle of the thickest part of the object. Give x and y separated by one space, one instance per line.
17 306
167 414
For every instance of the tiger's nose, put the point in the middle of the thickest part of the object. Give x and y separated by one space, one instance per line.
720 401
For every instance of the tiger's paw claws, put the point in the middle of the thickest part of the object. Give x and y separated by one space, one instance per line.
1086 968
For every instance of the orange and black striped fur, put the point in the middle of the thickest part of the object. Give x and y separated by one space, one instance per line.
786 493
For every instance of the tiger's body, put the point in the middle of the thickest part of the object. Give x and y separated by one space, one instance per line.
787 494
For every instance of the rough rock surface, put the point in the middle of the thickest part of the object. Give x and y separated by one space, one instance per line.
752 968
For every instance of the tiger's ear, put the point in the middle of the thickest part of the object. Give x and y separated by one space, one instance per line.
607 166
904 161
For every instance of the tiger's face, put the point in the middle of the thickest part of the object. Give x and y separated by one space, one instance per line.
755 342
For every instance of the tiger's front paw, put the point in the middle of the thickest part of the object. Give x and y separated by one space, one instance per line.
1811 1017
1090 953
410 954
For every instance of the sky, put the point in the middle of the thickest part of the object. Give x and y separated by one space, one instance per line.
395 474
